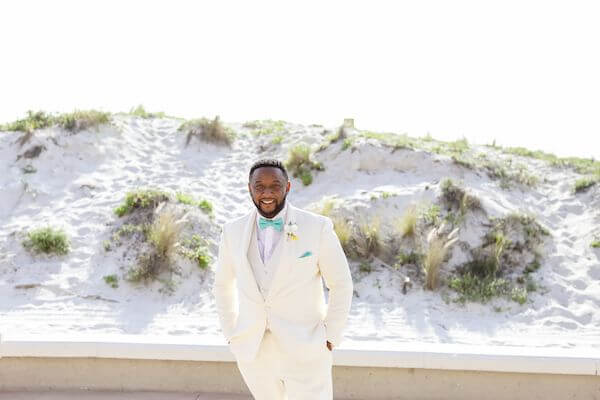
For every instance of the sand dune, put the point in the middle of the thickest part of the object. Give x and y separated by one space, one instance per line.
81 178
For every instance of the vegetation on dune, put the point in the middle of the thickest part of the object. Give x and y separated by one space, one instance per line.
163 235
80 120
208 131
436 249
112 280
487 275
141 112
187 199
33 121
394 140
406 224
266 127
196 249
74 122
141 198
47 240
300 163
583 184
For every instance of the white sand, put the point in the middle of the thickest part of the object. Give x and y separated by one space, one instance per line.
81 178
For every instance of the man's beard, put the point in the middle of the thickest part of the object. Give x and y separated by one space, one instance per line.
275 211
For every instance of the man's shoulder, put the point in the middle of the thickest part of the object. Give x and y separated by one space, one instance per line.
236 223
310 216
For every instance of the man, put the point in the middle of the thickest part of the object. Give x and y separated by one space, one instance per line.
269 292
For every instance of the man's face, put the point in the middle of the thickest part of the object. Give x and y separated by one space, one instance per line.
268 189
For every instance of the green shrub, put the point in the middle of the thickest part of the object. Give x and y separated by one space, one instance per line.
476 289
277 139
306 177
189 200
112 280
47 240
205 206
185 199
143 198
595 244
300 164
408 258
431 214
196 250
534 266
208 131
347 143
365 267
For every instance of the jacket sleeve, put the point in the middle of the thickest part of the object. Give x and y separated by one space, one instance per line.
336 273
224 289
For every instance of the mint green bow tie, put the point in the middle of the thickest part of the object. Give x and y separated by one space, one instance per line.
277 223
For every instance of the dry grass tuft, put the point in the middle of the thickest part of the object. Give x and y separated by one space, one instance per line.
163 235
343 230
366 239
81 120
437 247
407 223
208 131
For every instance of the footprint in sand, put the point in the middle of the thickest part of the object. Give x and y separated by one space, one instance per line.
594 272
579 284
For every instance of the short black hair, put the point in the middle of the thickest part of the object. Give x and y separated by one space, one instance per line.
268 162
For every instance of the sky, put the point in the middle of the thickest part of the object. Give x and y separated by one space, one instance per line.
522 73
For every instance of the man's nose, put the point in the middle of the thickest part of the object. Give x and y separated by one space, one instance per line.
268 192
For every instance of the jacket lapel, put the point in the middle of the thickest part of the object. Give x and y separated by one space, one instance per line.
243 253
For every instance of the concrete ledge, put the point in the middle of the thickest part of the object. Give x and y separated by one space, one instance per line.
364 383
578 361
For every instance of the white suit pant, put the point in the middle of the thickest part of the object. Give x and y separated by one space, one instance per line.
274 376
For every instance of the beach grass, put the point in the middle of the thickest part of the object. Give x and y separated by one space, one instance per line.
300 163
47 240
33 121
140 199
211 131
141 112
80 120
73 122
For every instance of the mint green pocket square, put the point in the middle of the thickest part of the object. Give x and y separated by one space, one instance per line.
306 254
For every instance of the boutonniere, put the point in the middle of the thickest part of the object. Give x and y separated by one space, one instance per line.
290 230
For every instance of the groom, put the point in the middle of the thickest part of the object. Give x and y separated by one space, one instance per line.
269 292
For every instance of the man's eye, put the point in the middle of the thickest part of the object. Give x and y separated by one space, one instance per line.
259 188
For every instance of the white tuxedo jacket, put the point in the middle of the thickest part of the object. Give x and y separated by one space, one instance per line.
299 319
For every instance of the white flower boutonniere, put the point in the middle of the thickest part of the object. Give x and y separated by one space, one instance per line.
290 230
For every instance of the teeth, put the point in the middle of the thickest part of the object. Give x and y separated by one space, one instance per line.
267 201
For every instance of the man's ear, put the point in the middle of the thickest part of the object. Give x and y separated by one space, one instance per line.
288 186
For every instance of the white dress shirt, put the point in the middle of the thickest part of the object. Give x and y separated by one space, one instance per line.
269 237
